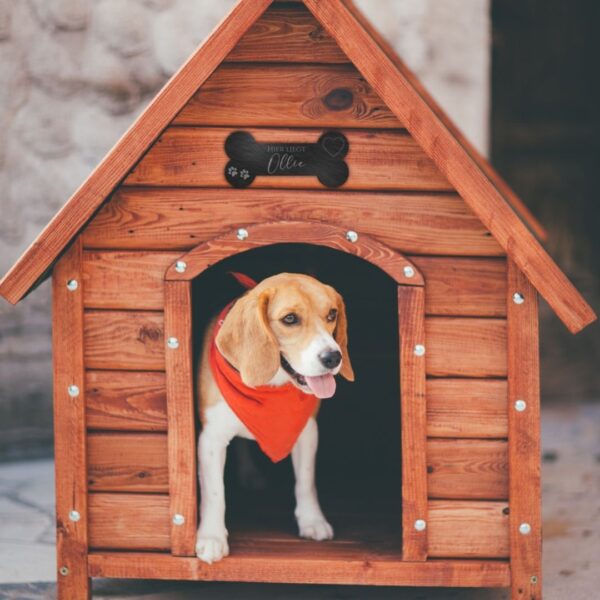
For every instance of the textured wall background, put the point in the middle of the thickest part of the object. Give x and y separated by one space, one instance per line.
75 73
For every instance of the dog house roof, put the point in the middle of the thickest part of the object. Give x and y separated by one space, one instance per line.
490 198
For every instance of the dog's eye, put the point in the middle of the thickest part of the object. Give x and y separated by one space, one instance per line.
291 319
332 316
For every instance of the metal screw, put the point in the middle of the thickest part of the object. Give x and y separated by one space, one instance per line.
534 579
520 405
180 266
409 271
178 519
72 285
518 298
74 516
419 350
73 391
524 528
173 343
352 236
242 234
420 525
63 571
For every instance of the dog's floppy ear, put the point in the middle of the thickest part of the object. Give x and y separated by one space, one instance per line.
246 340
341 337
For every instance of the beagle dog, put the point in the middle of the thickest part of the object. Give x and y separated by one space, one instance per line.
284 341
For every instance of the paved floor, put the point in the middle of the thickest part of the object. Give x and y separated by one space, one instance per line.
571 492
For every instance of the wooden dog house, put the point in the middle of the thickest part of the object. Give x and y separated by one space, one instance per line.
295 123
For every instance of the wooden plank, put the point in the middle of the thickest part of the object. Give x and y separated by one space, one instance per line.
119 341
129 280
468 529
263 566
524 437
290 95
378 160
454 162
161 111
129 522
126 400
467 469
462 347
182 431
266 234
464 286
69 427
176 218
284 35
411 312
128 462
467 408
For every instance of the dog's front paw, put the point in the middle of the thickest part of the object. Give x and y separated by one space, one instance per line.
316 529
211 548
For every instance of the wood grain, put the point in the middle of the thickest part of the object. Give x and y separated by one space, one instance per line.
69 427
378 160
366 248
411 314
182 421
116 340
468 529
125 279
126 401
129 521
524 437
467 469
176 218
128 462
290 95
465 347
467 408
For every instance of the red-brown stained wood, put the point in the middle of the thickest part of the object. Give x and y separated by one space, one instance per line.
468 529
466 347
411 311
129 521
287 35
130 280
524 437
124 340
176 218
467 469
128 462
126 401
463 286
287 95
378 160
467 408
366 248
181 413
69 427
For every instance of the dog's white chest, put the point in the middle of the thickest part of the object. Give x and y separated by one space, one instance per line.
224 424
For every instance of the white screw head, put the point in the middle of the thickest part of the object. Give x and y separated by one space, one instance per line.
178 519
420 525
242 234
73 391
409 271
520 405
180 266
534 579
524 528
518 298
72 285
74 516
63 571
419 350
352 236
173 343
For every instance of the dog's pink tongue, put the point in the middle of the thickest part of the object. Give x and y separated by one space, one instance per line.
322 386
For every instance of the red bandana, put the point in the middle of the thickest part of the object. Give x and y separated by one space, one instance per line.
275 415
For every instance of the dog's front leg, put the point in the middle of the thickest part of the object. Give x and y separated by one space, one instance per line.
311 521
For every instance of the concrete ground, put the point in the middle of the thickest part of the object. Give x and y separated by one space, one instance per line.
571 494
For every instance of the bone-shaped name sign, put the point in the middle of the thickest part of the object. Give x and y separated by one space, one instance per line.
323 160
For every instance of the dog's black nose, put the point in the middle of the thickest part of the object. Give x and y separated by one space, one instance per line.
330 358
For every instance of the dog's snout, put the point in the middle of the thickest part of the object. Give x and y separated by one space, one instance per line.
330 358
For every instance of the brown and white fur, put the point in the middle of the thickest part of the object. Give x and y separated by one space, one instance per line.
258 338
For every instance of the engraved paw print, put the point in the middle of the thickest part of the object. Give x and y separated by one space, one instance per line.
232 172
245 174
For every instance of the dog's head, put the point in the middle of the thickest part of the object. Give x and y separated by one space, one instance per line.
288 328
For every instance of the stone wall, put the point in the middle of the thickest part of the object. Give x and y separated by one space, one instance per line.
75 73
